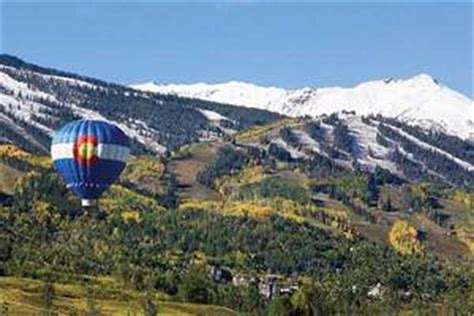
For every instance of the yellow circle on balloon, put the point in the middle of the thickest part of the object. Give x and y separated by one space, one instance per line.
87 150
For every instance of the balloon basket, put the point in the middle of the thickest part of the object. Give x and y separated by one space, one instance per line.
91 208
88 203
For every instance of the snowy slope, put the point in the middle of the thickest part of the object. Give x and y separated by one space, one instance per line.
366 145
238 93
16 103
35 101
420 100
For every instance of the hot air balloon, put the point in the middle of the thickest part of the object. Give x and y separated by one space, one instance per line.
90 155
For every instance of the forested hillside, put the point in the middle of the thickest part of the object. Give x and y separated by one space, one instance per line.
224 210
282 235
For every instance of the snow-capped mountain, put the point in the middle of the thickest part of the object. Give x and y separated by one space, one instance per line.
420 100
34 101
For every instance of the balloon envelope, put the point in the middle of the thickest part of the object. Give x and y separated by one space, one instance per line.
90 155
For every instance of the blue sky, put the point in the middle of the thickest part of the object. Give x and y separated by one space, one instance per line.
281 44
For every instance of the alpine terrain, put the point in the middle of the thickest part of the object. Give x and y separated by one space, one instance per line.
240 200
421 100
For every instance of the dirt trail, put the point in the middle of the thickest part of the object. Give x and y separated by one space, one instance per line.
186 170
448 247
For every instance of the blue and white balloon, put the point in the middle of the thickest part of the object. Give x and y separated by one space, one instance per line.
90 155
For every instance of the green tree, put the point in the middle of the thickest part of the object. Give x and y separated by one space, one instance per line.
195 287
92 309
252 301
150 307
279 306
47 299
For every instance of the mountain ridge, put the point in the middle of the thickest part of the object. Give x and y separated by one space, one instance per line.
420 100
34 101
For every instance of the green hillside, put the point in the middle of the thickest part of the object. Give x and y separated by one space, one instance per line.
327 235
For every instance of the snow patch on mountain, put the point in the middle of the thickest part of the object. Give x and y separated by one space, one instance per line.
410 157
308 142
21 131
234 92
15 102
370 153
420 100
135 129
294 153
70 81
17 88
466 165
213 116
